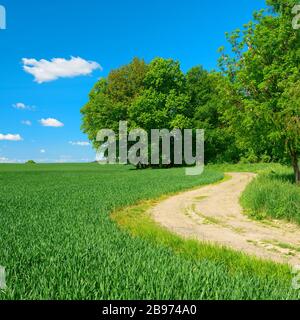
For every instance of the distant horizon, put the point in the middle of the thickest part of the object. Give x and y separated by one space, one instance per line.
39 162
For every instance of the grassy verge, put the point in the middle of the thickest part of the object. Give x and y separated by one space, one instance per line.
251 167
273 194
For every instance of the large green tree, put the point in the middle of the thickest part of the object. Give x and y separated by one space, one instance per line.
110 98
263 84
164 103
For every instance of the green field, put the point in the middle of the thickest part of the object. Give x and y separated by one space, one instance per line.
58 240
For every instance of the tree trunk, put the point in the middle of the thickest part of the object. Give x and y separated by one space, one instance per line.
295 164
296 167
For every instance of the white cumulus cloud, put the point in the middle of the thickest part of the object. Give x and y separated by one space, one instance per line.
42 151
45 70
50 122
22 106
79 143
10 137
26 122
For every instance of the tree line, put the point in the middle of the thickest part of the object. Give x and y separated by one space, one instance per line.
249 107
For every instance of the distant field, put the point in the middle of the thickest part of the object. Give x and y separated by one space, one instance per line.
58 240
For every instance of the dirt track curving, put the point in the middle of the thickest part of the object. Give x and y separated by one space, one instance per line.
213 214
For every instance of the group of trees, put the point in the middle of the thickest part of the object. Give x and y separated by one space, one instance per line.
159 95
250 108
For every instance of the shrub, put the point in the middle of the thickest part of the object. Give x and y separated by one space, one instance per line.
30 162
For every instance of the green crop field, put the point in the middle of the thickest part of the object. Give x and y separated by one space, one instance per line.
58 240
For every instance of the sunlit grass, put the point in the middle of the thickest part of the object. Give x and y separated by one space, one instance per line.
273 194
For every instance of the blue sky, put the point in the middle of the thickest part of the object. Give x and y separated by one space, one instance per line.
101 33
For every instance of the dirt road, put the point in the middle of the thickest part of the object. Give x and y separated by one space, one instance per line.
213 213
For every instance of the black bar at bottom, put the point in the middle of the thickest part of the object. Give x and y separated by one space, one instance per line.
144 309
